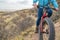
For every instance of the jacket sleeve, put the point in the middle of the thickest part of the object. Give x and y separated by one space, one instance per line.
34 1
55 4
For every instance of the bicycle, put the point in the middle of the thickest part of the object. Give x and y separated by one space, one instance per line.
46 24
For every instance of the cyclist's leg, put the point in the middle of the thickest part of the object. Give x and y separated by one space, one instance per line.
49 11
40 13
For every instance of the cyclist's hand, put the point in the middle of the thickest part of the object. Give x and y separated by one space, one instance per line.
56 9
35 5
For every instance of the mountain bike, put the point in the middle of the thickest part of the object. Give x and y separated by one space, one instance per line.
46 28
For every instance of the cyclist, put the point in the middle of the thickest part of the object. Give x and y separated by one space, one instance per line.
43 3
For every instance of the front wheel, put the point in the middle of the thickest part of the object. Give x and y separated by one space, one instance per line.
49 29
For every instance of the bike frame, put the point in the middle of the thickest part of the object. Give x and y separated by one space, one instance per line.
42 19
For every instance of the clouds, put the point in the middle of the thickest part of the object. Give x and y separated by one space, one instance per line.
15 4
23 2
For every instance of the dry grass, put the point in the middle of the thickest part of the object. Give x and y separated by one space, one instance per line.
11 25
20 25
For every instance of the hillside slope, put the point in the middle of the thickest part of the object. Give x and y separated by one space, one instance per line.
34 36
20 25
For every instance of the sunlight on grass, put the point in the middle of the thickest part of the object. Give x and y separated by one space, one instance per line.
9 19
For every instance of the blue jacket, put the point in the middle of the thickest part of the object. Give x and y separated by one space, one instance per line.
45 2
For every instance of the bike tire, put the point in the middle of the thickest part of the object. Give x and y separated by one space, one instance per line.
52 30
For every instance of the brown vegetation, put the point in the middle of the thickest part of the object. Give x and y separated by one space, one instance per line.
20 25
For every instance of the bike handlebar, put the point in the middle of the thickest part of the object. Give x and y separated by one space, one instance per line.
53 8
45 7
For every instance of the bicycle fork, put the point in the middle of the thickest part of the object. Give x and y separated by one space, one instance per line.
41 22
41 28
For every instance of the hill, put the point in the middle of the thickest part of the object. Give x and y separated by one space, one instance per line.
20 24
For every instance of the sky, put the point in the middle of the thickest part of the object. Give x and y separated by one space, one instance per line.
15 4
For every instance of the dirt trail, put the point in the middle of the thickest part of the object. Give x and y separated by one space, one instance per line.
57 30
57 33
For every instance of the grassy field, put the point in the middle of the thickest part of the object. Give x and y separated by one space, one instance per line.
20 25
